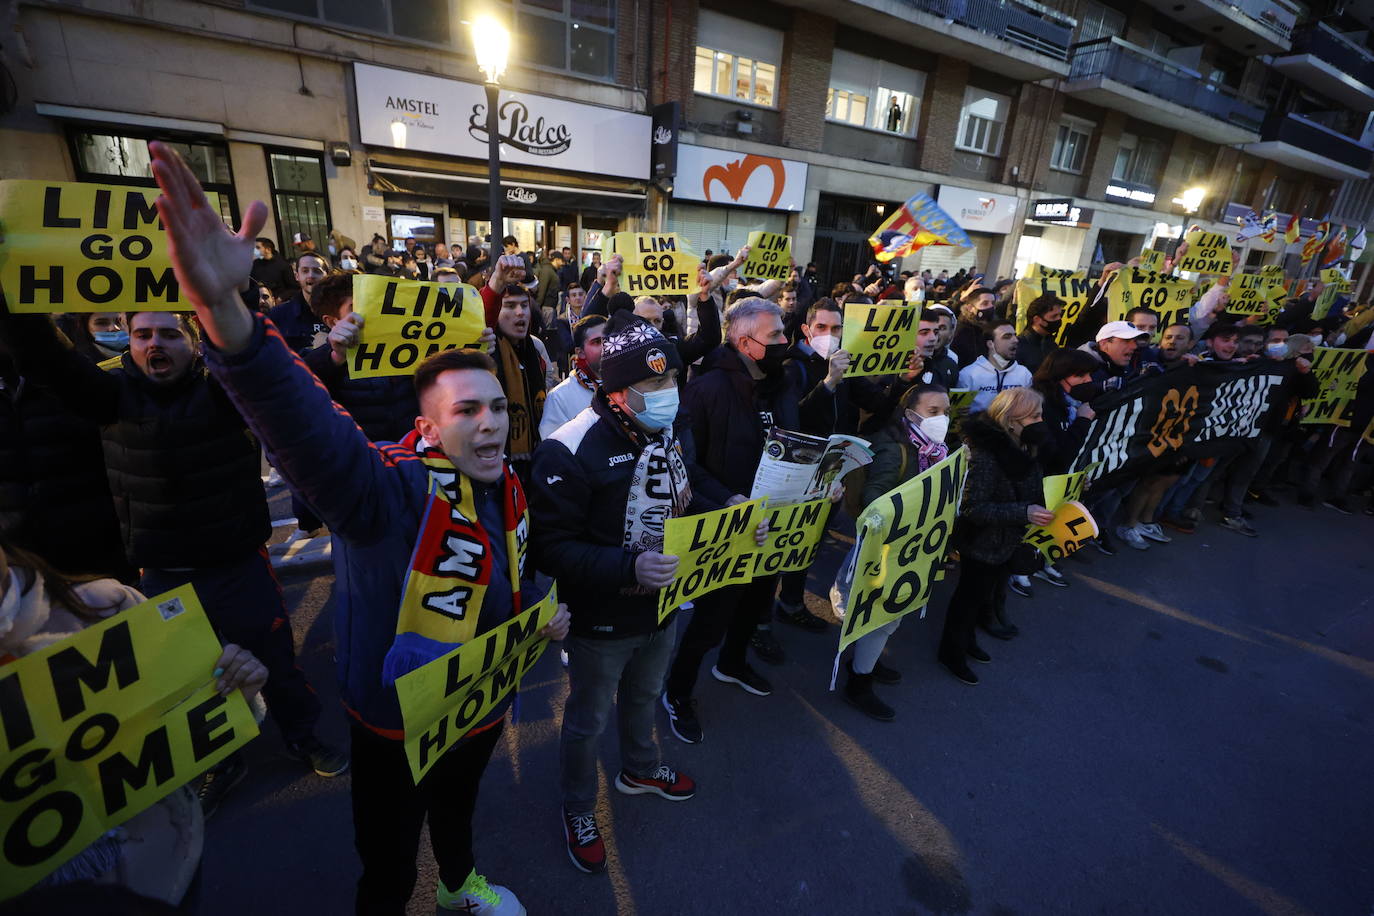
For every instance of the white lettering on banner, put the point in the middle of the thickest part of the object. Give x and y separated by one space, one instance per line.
739 179
1105 447
1237 407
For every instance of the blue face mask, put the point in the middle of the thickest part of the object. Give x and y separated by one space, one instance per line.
114 340
660 408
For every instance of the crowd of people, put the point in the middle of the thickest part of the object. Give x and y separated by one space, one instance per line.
587 419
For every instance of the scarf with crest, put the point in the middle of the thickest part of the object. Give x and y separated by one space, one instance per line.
584 375
451 566
659 488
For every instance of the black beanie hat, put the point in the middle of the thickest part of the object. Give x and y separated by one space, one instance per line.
632 351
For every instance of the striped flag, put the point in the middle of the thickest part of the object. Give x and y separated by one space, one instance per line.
915 224
1293 231
1315 243
1335 250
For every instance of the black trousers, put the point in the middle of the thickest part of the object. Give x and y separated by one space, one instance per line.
731 613
389 810
982 589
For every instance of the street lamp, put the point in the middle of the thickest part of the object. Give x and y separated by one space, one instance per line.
1191 201
491 46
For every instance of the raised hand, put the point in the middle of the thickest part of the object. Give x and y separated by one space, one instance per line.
346 333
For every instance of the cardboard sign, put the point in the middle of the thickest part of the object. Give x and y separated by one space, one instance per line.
1248 294
104 724
794 537
714 549
1169 297
878 338
1325 300
1272 271
1208 253
1062 488
1338 372
1071 287
76 247
656 263
1151 260
1073 526
770 256
407 321
960 400
903 535
443 700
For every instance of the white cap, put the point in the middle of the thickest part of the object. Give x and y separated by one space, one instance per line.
1121 329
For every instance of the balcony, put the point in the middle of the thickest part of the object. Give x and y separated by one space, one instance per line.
1118 75
1304 144
1252 26
1332 64
1032 40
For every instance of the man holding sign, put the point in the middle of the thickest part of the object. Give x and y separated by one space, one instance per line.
603 487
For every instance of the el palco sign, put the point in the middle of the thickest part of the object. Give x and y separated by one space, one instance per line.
417 111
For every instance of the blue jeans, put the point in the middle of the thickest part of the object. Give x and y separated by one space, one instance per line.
1181 493
631 667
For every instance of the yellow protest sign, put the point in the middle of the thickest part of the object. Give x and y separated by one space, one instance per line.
1325 300
105 723
407 321
1070 287
1170 298
878 338
1208 253
76 247
770 256
443 700
656 263
1333 276
960 399
1272 271
1151 260
1338 372
1062 488
902 536
1248 294
1073 526
714 549
794 537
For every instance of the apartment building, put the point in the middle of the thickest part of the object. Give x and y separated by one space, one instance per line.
1062 133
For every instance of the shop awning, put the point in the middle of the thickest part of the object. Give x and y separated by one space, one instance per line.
518 194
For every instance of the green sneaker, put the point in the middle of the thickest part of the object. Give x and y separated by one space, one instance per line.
479 898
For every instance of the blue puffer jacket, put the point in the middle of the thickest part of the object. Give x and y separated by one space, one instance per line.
372 496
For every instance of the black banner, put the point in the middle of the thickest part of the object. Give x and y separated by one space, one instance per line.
1193 411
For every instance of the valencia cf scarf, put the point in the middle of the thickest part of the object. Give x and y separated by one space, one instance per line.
451 566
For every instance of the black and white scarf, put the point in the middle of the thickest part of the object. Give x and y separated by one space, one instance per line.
659 488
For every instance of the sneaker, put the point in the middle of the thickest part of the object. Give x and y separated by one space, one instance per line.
978 655
323 759
219 781
882 674
1131 536
682 719
1338 503
1104 545
962 672
563 657
1239 526
1180 524
1052 576
665 782
479 898
1020 585
273 480
800 617
767 646
585 846
749 680
858 692
1151 531
303 534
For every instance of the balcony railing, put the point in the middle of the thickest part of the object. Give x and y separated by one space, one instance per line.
1277 18
1326 44
1124 62
1021 22
1307 134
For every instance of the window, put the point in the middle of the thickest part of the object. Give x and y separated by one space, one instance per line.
108 157
298 195
1199 168
1097 21
737 59
1138 160
575 35
981 121
415 20
873 93
1071 145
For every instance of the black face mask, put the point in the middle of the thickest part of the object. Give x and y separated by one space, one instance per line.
987 314
774 355
1083 392
1053 326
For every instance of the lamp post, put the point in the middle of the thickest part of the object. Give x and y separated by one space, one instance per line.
491 44
1191 201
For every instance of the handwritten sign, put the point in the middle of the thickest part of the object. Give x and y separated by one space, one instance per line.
770 256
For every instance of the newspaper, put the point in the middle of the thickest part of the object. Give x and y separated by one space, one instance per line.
796 467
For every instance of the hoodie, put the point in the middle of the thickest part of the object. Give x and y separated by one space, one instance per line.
985 379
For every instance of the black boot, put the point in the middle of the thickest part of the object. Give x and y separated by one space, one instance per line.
882 674
1001 614
858 692
994 628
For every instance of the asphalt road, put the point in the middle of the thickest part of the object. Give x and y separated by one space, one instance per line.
1184 730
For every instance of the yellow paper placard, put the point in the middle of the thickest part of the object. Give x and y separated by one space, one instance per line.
960 399
770 256
1208 253
714 549
1248 294
903 535
794 537
1071 287
104 724
1169 297
1151 260
1073 526
76 247
443 700
1338 372
1272 271
1327 298
407 321
656 263
1062 488
878 338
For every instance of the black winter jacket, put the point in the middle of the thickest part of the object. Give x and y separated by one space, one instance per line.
1059 435
1032 348
579 487
730 415
823 412
296 322
385 408
1002 481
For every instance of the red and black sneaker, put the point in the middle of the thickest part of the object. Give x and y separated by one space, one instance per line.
664 781
585 846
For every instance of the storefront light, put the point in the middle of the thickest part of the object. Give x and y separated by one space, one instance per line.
398 133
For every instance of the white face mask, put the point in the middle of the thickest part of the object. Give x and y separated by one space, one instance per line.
824 345
935 428
348 264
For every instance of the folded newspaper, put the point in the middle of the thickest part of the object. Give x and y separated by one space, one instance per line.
796 467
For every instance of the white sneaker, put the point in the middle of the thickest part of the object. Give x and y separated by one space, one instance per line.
1130 535
479 898
1152 532
273 480
1052 576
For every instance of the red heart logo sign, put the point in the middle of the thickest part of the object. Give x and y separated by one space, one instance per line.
735 175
